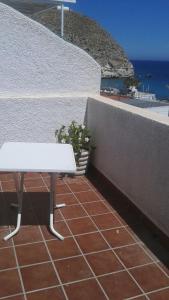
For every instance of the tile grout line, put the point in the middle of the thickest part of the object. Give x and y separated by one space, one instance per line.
81 204
17 263
148 254
51 260
19 271
135 298
82 280
54 267
158 290
82 254
11 296
140 243
75 256
105 294
150 293
120 259
42 289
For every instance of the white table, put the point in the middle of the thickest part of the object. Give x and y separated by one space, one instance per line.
20 158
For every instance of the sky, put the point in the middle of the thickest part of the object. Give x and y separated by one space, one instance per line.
141 27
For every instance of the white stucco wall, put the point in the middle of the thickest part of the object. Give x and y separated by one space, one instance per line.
36 119
36 62
132 148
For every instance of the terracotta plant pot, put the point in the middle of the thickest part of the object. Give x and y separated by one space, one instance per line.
83 163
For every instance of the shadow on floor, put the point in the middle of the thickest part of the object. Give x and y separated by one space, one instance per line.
35 208
144 229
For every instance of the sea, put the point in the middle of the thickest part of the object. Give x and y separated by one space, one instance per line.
152 75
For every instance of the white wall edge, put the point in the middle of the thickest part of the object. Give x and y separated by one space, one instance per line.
133 109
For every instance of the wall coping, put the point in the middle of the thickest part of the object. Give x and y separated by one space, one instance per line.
133 109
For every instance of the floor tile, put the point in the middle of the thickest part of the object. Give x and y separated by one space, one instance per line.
3 227
150 277
6 176
27 234
53 294
88 196
85 290
32 254
164 267
161 295
61 249
91 242
59 226
82 225
8 186
109 208
59 180
30 183
19 297
68 199
95 208
73 269
47 180
119 286
118 237
106 221
62 189
79 186
32 176
37 189
104 262
133 256
7 258
73 179
73 211
10 283
57 215
39 276
3 243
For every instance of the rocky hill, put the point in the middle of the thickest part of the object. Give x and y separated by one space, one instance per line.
81 31
88 35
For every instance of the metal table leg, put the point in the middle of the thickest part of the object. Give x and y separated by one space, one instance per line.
19 187
52 198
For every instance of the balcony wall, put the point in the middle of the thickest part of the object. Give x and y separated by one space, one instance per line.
34 62
132 150
45 81
35 120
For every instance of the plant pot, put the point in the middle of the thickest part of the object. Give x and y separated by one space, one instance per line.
82 163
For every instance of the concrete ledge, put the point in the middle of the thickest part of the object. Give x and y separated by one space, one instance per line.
132 152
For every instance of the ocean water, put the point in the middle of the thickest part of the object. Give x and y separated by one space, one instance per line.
153 77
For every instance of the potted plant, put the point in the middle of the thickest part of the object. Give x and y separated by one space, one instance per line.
79 137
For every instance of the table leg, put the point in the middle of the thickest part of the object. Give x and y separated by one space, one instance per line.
52 198
19 187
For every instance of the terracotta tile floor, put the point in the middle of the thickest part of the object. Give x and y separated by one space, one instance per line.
109 252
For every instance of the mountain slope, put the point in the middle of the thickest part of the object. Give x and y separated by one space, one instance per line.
81 31
88 35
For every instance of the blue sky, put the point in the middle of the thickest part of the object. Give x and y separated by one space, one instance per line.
141 27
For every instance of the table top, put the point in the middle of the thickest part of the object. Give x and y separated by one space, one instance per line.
37 157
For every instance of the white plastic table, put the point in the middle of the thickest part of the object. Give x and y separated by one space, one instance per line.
20 158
